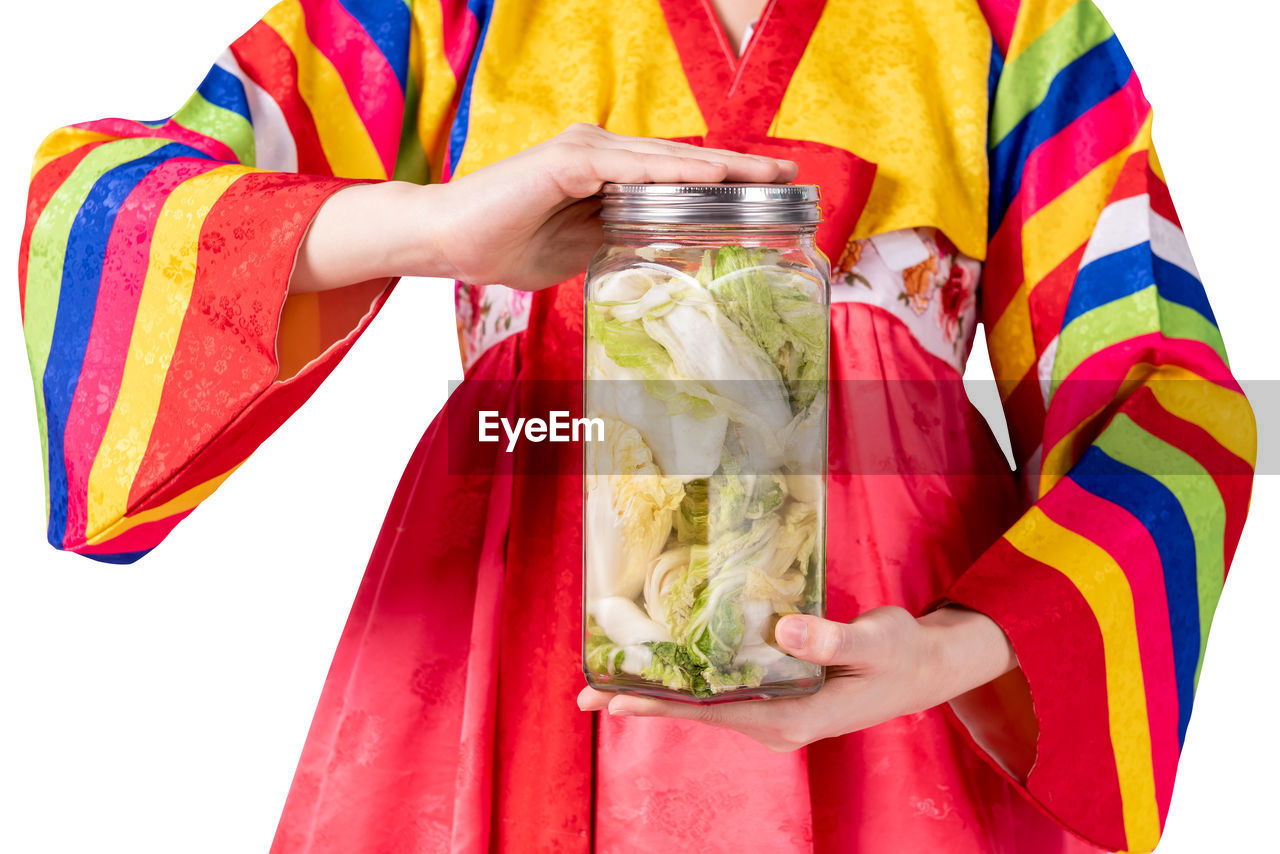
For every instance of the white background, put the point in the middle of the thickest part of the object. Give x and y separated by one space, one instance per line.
161 707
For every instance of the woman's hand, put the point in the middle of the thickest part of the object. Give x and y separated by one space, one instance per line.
884 664
528 221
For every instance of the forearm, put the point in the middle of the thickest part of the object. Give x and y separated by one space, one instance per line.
365 232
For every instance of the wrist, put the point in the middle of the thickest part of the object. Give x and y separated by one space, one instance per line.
420 245
965 649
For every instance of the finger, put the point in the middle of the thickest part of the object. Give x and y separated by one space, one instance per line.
750 716
591 700
760 167
824 641
584 176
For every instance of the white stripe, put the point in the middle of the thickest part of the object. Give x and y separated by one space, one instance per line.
1044 369
273 143
1121 225
1168 242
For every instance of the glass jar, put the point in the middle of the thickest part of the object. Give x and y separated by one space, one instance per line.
707 316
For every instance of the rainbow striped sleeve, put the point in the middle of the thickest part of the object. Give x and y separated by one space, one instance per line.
1139 443
156 256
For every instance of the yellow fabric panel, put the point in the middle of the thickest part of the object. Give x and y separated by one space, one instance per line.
547 65
903 83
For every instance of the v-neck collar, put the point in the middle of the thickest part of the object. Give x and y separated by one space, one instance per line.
740 94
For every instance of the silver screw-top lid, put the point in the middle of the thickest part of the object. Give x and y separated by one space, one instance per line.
711 204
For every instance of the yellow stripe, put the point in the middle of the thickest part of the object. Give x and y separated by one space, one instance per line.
1061 227
1049 236
166 292
63 141
1104 587
1034 19
1154 162
436 83
343 136
172 507
1222 413
1010 344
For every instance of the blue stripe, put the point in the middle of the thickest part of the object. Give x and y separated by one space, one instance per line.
993 84
1120 274
77 300
1158 510
993 75
1077 88
1177 285
1109 278
119 557
388 24
483 11
223 89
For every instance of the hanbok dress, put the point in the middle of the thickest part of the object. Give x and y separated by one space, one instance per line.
981 162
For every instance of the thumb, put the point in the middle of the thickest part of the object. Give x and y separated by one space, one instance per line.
818 640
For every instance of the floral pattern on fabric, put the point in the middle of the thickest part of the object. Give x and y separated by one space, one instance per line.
487 314
920 277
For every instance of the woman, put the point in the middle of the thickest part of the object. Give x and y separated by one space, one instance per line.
186 284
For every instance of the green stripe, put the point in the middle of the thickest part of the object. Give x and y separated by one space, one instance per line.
1202 504
229 128
411 160
1180 321
1137 314
48 252
1027 77
1128 317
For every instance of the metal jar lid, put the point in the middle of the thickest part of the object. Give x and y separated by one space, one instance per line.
711 204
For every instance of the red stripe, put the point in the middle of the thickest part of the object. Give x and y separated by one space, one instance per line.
1129 543
1024 410
139 538
1161 202
228 338
1133 179
1102 132
45 183
1059 647
1232 475
1093 385
1004 273
251 427
460 30
225 355
269 62
370 82
1001 16
1049 299
127 257
170 131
